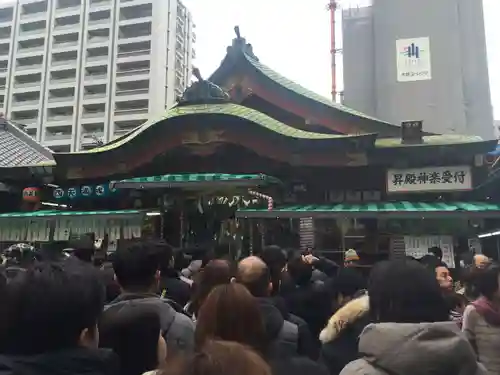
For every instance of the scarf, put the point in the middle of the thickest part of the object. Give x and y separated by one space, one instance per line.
486 309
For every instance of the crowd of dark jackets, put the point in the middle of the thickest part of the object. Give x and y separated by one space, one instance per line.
150 309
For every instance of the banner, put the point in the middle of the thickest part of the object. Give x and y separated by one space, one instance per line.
419 246
414 180
413 59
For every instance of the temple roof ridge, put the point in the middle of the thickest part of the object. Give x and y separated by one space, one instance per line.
19 149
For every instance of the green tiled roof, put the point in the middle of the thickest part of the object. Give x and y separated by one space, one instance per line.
405 208
228 109
197 178
431 140
55 213
295 87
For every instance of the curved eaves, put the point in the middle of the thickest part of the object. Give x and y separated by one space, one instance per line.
302 91
228 109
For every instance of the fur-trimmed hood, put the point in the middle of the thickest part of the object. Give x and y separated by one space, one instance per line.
343 317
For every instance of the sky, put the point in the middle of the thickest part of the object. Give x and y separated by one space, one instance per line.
295 40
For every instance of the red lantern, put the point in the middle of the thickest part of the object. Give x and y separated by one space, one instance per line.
31 194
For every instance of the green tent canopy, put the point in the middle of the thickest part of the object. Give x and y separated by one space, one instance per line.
56 213
387 210
195 180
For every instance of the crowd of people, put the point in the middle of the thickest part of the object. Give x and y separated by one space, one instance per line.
146 311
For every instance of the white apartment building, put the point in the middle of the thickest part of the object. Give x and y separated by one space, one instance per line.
74 71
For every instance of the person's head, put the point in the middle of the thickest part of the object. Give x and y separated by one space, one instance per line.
348 283
405 292
255 275
109 281
275 259
437 252
83 248
218 358
487 282
52 307
137 267
133 332
481 261
20 255
440 269
231 313
351 257
299 271
165 256
222 251
216 272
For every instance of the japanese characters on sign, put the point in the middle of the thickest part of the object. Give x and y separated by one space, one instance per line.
453 178
418 246
85 191
413 59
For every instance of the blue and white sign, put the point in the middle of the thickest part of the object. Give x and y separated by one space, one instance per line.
58 193
100 190
413 59
86 190
72 193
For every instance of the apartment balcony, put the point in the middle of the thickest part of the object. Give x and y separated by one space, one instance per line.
89 139
58 120
121 132
65 46
104 43
99 19
5 33
96 5
62 82
132 74
38 16
96 78
142 55
67 24
31 122
69 11
132 113
31 51
29 68
134 39
135 21
56 101
20 87
126 95
25 105
3 72
95 99
96 61
57 139
91 117
6 22
63 64
26 87
129 3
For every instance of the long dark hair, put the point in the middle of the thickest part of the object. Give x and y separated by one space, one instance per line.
404 291
218 358
231 313
216 272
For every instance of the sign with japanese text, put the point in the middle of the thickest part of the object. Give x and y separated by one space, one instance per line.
85 191
418 246
453 178
413 59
